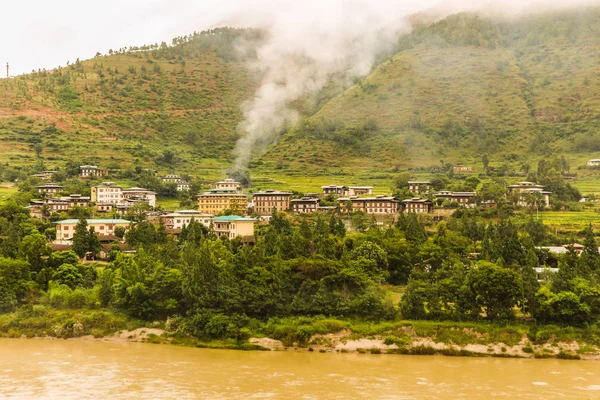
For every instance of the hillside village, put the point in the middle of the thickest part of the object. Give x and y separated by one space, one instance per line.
230 209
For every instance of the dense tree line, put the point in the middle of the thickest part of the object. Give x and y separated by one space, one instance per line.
466 269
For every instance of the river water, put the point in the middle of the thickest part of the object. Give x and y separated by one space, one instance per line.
73 369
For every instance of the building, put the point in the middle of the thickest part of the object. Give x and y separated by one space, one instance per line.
104 207
59 204
44 175
305 205
182 185
265 202
141 195
50 189
229 184
593 163
417 205
216 201
91 170
233 226
462 168
179 219
334 190
463 198
107 192
525 188
419 187
378 205
65 229
359 190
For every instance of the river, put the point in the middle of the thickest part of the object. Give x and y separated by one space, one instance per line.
76 369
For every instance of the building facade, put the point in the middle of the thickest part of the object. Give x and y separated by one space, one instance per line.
378 205
417 205
229 184
91 170
334 190
233 226
216 201
305 205
419 187
65 229
179 219
139 195
529 188
107 192
265 202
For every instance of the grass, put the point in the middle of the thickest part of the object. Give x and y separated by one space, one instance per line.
6 192
571 219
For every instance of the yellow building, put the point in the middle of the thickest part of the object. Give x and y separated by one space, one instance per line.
232 226
217 200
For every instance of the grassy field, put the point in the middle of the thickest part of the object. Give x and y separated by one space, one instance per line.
571 219
6 191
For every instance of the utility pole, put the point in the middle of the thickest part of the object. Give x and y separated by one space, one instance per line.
7 69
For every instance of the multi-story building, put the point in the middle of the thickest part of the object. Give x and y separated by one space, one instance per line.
233 226
463 198
334 190
419 187
529 188
265 202
182 185
179 219
417 205
305 205
218 200
44 175
91 170
139 195
378 205
50 189
59 204
229 184
359 190
65 229
107 192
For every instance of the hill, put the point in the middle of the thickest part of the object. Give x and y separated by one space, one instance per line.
452 91
455 90
167 107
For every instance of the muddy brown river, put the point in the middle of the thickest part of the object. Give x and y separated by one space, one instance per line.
72 369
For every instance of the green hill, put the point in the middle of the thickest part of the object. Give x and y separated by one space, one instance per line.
453 91
456 90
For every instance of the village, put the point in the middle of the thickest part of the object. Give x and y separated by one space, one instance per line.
231 210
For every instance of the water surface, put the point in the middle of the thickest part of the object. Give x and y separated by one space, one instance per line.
72 369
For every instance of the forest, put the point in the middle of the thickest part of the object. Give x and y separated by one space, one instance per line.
468 268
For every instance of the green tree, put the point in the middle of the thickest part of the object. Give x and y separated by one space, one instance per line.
69 275
34 249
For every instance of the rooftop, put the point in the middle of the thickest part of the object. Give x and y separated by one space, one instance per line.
95 221
231 218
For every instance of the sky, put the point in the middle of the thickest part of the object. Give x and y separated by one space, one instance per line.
45 34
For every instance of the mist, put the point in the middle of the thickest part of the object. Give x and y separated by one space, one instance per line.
310 41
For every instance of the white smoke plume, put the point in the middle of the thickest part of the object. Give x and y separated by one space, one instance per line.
309 41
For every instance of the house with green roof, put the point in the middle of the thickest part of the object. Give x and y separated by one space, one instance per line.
233 226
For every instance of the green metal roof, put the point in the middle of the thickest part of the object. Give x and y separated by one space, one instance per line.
95 221
232 218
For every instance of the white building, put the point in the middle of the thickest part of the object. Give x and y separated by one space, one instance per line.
179 219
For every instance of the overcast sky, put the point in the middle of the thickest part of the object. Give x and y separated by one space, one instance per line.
44 34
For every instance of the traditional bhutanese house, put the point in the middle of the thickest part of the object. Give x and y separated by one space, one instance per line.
417 205
378 205
265 202
91 170
334 190
465 199
218 200
50 189
525 188
233 226
229 184
305 205
59 204
359 190
107 193
103 207
419 187
65 229
140 195
44 175
593 163
179 219
181 184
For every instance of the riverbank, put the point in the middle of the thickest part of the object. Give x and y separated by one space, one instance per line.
318 334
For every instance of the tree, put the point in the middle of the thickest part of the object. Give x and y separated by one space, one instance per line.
34 249
491 289
68 274
80 238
